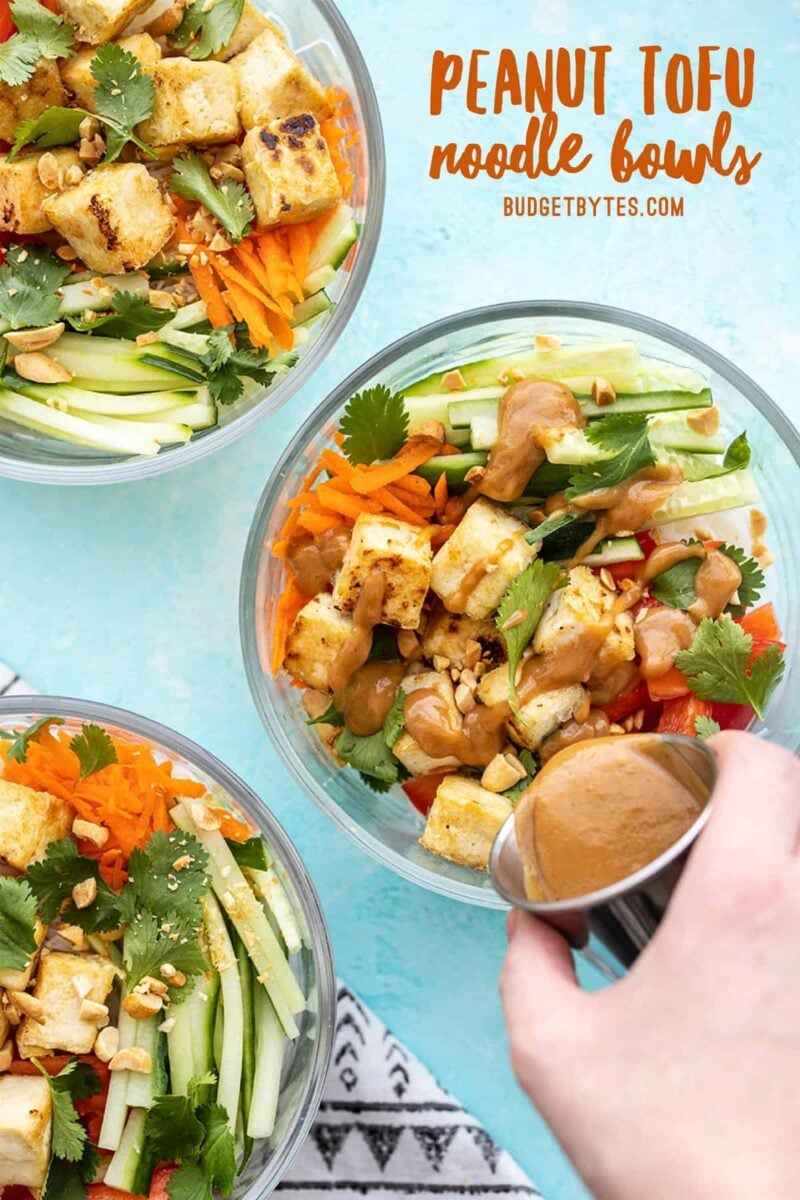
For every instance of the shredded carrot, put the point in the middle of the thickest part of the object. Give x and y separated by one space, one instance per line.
348 506
231 827
415 485
216 309
336 464
397 507
440 535
318 523
440 494
300 249
291 601
415 452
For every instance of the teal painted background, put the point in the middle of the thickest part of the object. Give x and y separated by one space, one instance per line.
129 594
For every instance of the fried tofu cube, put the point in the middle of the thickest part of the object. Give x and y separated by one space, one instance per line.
251 23
76 72
464 821
274 83
402 552
194 102
17 981
22 191
619 647
540 716
159 18
289 171
116 218
63 981
29 821
473 569
5 1028
416 761
316 637
406 748
23 101
26 1123
100 21
449 634
583 604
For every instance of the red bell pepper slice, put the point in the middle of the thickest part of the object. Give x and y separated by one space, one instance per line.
647 542
732 716
422 792
762 623
158 1184
101 1191
638 697
680 716
7 26
669 685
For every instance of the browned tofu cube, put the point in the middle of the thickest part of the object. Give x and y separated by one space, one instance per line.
43 90
289 171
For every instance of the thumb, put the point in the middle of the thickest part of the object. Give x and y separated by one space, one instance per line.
542 1000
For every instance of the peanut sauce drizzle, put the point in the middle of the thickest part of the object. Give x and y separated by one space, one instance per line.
364 691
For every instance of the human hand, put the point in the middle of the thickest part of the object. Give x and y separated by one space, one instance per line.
682 1081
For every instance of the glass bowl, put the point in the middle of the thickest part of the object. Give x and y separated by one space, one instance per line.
319 33
307 1060
387 826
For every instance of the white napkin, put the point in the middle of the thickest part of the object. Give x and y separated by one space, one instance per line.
385 1127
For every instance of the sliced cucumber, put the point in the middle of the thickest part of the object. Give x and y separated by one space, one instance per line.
615 550
189 315
672 441
115 361
454 467
132 1165
666 376
247 980
195 416
672 432
548 479
618 362
335 240
143 1089
165 433
320 302
649 402
422 409
573 448
32 415
96 292
80 401
270 1047
318 280
696 499
232 1050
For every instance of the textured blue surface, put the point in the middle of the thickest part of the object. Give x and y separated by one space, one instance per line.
129 594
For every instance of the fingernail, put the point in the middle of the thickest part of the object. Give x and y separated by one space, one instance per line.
511 923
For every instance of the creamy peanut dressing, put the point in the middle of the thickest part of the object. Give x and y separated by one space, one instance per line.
364 691
457 600
526 410
474 740
595 725
621 679
600 810
666 556
715 585
315 561
659 638
627 507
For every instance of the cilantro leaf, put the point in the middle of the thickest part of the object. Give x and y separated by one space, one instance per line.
77 1081
374 424
172 1127
124 96
705 727
331 716
54 127
52 878
131 316
29 279
94 749
526 597
151 941
156 886
753 581
225 363
205 30
675 587
18 751
395 721
189 1182
219 1156
718 666
252 853
369 755
228 201
17 924
737 456
40 34
549 526
627 435
69 1180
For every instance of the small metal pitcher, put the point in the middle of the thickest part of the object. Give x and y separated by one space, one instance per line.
624 917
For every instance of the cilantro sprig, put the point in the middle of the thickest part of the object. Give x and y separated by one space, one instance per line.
52 878
626 435
40 34
228 201
20 742
94 749
130 317
17 924
675 587
372 756
225 363
77 1081
29 280
56 126
719 665
374 424
706 727
520 612
205 28
198 1135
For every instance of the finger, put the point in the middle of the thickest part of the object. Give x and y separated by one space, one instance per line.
756 801
542 1000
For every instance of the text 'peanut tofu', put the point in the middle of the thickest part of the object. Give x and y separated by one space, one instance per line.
116 218
29 821
194 102
26 1120
76 72
464 821
100 20
316 637
472 571
23 101
60 979
402 552
22 191
274 83
289 171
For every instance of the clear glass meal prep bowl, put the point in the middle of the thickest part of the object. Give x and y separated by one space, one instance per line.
388 826
317 30
306 1063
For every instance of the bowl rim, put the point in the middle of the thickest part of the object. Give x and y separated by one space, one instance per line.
320 943
132 469
487 314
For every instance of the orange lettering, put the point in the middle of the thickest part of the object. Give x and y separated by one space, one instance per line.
446 73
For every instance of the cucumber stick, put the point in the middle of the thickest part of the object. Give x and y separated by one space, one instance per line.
618 362
95 293
190 1040
270 1044
268 887
39 418
422 409
132 1165
615 550
696 499
143 1089
80 401
116 1109
246 980
223 956
454 467
333 244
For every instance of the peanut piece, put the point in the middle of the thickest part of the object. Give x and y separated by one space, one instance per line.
89 832
85 893
106 1043
141 1007
133 1058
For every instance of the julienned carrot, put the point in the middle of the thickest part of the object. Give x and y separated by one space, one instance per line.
231 827
440 494
216 309
415 485
350 506
415 452
396 506
317 523
291 521
336 464
300 249
291 601
440 535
